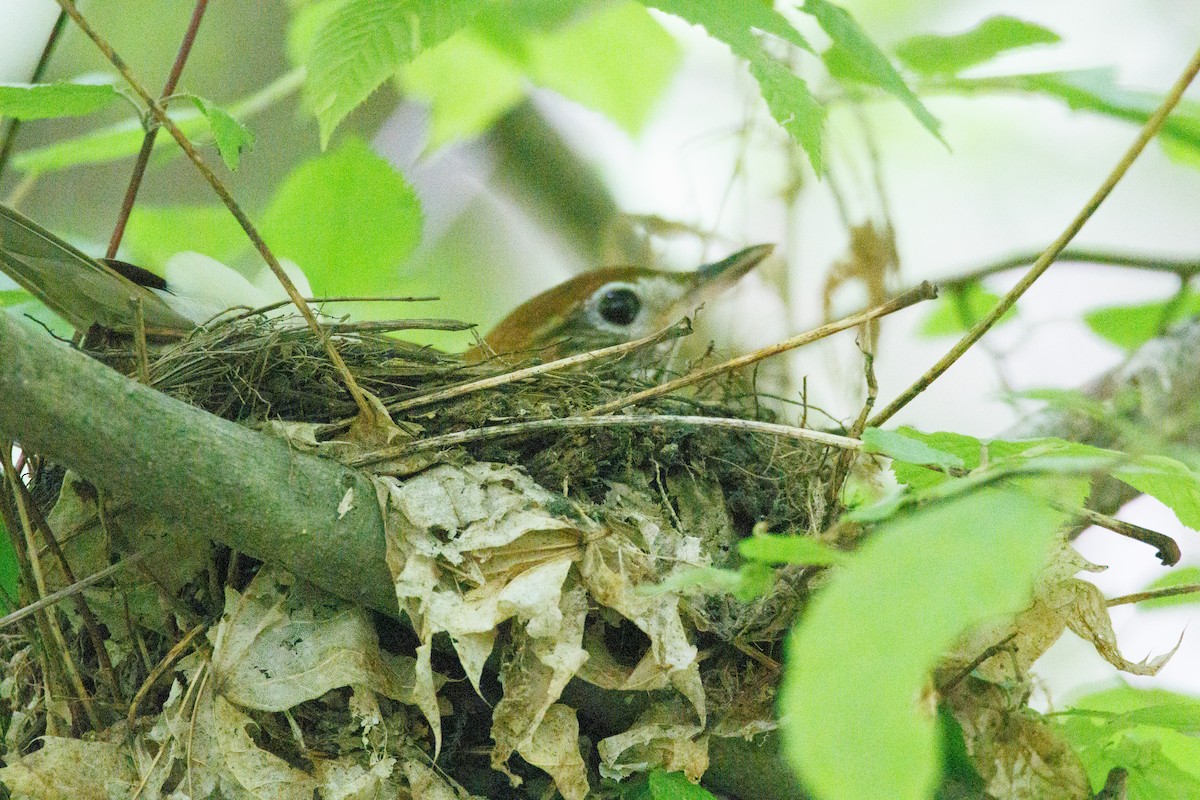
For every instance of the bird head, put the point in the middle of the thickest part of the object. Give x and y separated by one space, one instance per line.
614 305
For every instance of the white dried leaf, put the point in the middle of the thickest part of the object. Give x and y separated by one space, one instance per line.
281 643
70 769
554 749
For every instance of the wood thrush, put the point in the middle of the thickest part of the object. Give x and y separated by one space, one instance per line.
596 309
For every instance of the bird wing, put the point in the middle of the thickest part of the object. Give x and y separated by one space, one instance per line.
80 289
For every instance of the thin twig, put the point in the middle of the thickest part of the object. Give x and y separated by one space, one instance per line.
141 349
1153 594
161 669
572 423
1183 267
925 291
90 623
73 589
679 329
319 300
1047 258
1168 551
143 157
252 233
988 652
67 662
387 325
10 133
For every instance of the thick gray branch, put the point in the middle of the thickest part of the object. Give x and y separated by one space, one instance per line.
212 477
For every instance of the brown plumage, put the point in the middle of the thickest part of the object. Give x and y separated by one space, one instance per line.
611 305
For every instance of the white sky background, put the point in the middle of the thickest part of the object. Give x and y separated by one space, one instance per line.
1019 170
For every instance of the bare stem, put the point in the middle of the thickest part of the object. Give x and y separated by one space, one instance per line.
1154 594
10 133
143 158
1168 551
1047 258
1185 268
222 191
925 291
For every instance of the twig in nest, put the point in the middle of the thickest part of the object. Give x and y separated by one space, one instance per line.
69 591
319 300
569 423
161 668
1149 130
925 291
679 329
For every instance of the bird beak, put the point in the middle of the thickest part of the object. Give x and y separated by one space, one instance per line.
712 279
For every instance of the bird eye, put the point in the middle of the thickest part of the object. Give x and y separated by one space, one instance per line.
619 306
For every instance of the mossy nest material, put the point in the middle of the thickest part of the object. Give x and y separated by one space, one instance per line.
259 369
555 536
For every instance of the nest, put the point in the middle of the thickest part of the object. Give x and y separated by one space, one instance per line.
635 506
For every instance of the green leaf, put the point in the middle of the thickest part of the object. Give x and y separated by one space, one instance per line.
960 308
770 548
364 42
1168 481
617 60
853 55
468 85
155 234
1149 732
1180 576
8 566
347 218
13 297
787 96
1131 327
124 139
850 710
662 785
232 137
967 449
49 100
900 446
748 582
948 55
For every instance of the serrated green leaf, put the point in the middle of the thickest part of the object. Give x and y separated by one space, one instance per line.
948 55
347 218
902 447
849 706
50 100
12 297
1168 481
124 139
967 449
787 96
468 85
960 308
617 60
231 137
1131 327
1181 576
771 548
364 42
155 233
853 55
